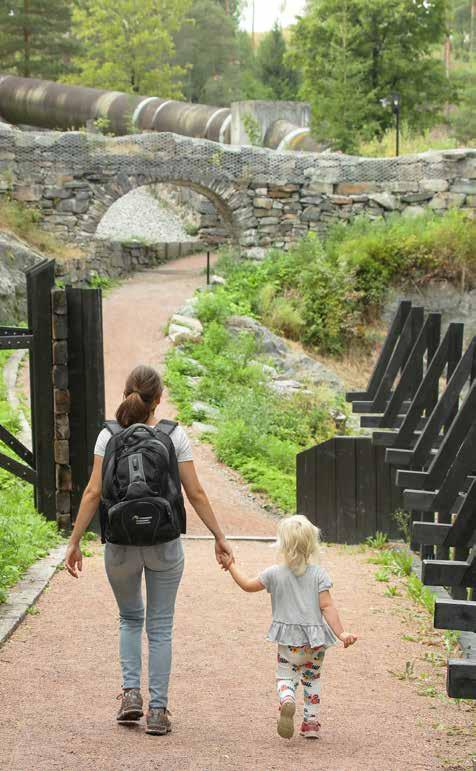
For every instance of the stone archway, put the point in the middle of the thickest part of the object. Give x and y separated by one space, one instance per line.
233 206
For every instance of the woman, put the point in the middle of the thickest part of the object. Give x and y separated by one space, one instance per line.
161 563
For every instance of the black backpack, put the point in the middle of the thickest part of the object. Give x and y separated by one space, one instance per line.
142 502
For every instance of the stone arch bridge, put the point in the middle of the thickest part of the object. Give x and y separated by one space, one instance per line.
263 196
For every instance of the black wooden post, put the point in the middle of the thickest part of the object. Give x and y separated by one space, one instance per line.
40 281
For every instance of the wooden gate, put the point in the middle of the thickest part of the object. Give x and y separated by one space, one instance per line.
36 466
67 391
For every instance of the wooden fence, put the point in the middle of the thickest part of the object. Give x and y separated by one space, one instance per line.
423 394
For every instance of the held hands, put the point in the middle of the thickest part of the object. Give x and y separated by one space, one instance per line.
73 560
224 553
347 638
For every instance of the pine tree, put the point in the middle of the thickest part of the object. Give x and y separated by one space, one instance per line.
35 38
275 72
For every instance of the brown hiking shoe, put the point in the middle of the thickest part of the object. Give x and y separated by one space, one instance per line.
131 706
158 722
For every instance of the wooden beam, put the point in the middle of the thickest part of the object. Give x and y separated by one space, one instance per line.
455 614
17 469
448 573
18 448
430 533
419 500
461 679
15 342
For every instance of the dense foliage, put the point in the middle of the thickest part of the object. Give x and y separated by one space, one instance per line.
259 432
354 53
129 46
325 293
35 39
25 536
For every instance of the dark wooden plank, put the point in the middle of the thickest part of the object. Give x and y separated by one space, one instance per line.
15 342
430 533
305 483
422 500
449 573
14 331
461 680
77 386
388 347
366 488
453 441
384 495
414 480
464 527
325 490
412 375
18 469
373 421
398 358
18 448
445 407
455 614
40 281
398 457
454 481
345 490
86 369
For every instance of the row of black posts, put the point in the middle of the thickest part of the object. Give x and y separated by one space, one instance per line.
421 401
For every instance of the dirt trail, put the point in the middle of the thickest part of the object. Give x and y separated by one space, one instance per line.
59 673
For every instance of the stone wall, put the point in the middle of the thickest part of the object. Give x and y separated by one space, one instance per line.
264 198
117 260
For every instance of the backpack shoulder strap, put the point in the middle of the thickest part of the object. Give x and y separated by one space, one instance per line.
167 426
112 426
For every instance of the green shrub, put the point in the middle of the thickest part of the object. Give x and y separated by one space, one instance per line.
25 535
326 293
259 432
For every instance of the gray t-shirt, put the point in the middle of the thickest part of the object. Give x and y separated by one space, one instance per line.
297 617
181 442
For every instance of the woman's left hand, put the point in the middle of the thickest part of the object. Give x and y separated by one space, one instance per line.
223 553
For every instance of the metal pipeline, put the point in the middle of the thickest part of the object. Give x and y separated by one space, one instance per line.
44 104
283 135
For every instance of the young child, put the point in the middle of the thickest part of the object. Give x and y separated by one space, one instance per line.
302 605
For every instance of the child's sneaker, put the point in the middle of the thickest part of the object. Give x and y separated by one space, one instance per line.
310 730
286 719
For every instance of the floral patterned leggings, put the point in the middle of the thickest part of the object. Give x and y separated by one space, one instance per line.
300 664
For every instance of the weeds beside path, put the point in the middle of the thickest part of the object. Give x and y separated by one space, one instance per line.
59 673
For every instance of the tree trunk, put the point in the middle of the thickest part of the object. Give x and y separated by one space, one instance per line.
448 55
472 29
26 39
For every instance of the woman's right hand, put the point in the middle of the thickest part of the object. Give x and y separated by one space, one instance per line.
73 560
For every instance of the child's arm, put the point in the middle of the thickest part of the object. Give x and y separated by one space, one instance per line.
247 584
329 611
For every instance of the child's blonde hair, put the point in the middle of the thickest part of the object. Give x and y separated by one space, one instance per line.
298 542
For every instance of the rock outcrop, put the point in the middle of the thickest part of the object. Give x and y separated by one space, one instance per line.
15 258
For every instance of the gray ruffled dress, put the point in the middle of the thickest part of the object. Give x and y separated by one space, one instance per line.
297 617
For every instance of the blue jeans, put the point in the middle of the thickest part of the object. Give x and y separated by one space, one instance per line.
163 568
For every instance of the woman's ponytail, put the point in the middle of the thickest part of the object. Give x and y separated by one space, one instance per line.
143 387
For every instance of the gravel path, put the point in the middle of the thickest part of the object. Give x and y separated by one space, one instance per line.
59 673
138 215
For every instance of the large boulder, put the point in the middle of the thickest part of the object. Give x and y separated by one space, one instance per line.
268 342
15 258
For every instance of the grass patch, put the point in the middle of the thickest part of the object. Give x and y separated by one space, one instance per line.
258 432
23 221
329 294
25 536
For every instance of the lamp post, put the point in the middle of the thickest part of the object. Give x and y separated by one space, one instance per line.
395 103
